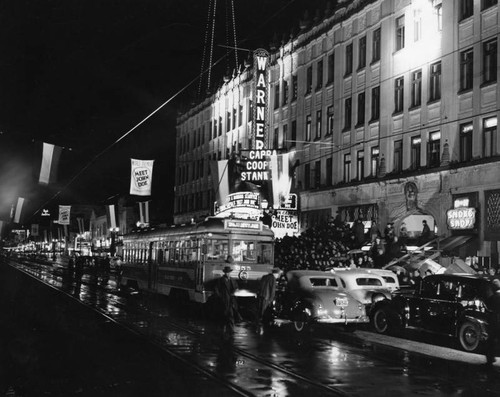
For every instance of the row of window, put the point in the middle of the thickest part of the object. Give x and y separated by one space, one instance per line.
467 7
489 148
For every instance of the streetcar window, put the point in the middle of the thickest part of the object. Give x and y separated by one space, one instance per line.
217 249
265 253
244 250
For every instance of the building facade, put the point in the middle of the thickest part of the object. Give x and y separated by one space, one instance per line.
391 108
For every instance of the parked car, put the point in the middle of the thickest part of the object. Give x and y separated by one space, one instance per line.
314 297
446 304
365 285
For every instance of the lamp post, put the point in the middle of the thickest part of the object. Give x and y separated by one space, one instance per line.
112 247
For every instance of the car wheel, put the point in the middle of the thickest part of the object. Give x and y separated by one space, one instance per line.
380 321
301 323
469 336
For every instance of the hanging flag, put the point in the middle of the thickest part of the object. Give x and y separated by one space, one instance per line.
81 225
220 180
141 177
144 212
64 214
50 162
111 216
34 229
18 210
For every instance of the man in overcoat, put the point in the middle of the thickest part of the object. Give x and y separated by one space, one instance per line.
224 291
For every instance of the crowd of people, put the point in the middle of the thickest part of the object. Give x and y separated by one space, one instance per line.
338 244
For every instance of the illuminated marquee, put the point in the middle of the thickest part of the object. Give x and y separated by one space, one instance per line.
461 218
257 166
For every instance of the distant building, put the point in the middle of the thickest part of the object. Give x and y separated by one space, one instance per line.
391 108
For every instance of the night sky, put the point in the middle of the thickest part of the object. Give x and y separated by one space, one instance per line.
81 73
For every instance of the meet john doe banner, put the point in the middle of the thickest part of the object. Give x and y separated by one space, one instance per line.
141 177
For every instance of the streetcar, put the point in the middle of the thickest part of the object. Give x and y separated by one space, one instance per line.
187 260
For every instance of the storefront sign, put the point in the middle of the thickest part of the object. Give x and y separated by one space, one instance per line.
261 59
257 166
461 218
243 200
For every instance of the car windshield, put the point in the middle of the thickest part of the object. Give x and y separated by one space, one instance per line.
368 281
323 282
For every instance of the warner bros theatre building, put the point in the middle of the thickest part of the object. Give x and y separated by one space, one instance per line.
391 108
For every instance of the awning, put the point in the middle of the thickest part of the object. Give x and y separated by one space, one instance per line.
450 243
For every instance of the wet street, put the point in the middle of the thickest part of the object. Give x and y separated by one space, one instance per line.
279 362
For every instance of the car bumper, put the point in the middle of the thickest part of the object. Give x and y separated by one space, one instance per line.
353 320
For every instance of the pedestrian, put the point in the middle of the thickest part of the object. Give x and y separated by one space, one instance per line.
267 292
493 305
225 288
374 232
358 230
403 234
425 236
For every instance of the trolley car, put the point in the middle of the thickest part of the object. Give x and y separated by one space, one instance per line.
188 259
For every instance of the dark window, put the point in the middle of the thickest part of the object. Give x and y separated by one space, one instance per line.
319 75
466 142
329 171
360 165
284 144
250 110
466 8
318 124
398 156
294 133
285 92
220 126
361 109
347 167
490 61
488 3
307 176
228 121
416 143
347 113
466 67
362 53
295 88
277 95
235 115
331 68
490 136
400 33
434 149
215 128
374 161
416 88
308 127
375 103
435 82
240 115
376 45
399 95
317 173
330 119
309 80
275 138
348 59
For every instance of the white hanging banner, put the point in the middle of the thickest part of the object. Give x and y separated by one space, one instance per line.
64 212
19 208
141 177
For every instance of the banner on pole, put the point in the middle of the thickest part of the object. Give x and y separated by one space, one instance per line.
111 216
50 162
141 177
64 214
19 208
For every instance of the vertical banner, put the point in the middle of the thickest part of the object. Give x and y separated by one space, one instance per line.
141 177
220 179
19 208
261 63
34 229
64 214
144 212
50 162
111 216
1 227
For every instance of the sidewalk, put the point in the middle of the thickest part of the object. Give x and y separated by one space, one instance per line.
50 345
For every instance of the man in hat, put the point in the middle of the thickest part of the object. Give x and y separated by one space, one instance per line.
225 288
267 292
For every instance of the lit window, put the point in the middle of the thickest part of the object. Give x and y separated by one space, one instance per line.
416 143
374 162
466 142
400 33
434 149
490 137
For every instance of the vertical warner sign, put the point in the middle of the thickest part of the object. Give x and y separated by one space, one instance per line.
261 59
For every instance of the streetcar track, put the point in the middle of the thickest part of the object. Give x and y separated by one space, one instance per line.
159 343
